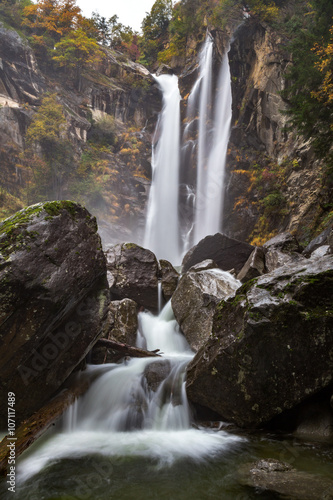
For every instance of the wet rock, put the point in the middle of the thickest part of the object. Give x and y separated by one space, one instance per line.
170 279
195 299
228 253
279 477
315 422
254 266
252 367
133 273
285 242
121 325
156 372
280 250
53 299
204 266
322 239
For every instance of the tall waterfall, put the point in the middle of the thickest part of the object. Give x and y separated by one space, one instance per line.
162 231
212 143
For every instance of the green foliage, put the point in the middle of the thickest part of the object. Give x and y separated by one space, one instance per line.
155 29
103 132
308 114
75 52
47 154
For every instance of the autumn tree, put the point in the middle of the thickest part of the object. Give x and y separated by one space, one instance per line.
49 20
75 52
47 153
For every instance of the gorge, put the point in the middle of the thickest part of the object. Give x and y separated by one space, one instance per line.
187 311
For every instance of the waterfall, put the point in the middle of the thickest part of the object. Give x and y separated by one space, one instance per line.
212 144
161 233
124 415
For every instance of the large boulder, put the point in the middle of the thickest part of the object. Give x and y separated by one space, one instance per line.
271 345
133 273
195 299
254 266
228 253
121 326
169 279
280 250
53 299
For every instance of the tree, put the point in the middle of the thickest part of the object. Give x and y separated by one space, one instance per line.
48 154
75 52
48 21
155 29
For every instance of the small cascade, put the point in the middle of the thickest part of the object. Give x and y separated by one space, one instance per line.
126 414
161 233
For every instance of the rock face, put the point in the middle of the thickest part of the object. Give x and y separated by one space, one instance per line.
169 280
121 325
195 299
53 299
280 250
133 273
254 266
226 252
271 345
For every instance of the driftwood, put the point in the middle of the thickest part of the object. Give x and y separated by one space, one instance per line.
125 349
31 429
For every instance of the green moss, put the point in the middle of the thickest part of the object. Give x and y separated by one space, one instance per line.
129 245
54 208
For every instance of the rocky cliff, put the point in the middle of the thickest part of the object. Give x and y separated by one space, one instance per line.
116 88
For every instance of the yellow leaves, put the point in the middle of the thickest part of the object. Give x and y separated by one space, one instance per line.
325 65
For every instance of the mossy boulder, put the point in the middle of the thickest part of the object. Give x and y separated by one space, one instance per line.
53 299
271 346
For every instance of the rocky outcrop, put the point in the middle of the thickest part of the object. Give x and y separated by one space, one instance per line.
228 253
271 345
121 326
195 299
54 297
156 372
169 279
133 273
280 250
254 266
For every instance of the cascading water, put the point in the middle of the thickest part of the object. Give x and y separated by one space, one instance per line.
161 233
212 147
123 415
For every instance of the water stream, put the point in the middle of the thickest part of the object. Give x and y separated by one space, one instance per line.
161 232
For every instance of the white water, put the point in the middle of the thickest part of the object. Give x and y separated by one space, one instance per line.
120 416
212 145
161 233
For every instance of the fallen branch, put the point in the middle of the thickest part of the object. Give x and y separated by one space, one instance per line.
125 349
31 429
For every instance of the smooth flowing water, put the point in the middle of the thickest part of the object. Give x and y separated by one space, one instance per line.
213 136
162 227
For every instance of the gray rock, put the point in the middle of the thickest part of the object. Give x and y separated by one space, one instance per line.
279 477
156 372
285 242
276 258
315 422
204 266
195 300
322 239
254 266
252 367
121 325
228 253
133 273
170 278
53 299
